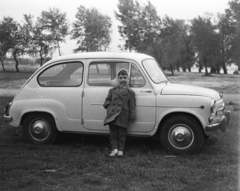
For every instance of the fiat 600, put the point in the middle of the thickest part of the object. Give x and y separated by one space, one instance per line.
67 94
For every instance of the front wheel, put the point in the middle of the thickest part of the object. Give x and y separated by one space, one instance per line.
39 128
181 134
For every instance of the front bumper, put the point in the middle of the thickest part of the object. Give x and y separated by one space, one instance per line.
221 122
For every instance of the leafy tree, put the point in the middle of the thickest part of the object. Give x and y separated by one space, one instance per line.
130 30
224 31
233 18
150 27
40 44
91 30
187 53
140 25
13 40
54 23
5 30
205 40
171 43
19 42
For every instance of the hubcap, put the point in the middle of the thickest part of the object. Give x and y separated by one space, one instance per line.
181 136
39 130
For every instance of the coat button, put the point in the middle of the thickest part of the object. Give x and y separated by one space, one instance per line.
113 110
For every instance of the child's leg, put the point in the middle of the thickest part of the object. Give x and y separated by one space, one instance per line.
113 136
122 133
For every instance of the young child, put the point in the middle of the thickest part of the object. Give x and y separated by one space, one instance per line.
120 105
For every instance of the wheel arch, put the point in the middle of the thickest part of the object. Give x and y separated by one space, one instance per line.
169 115
35 112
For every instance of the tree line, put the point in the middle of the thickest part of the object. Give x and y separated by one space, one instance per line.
210 41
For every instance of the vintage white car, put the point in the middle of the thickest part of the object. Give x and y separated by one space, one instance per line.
67 94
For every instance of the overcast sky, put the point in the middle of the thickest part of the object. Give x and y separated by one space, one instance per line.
176 9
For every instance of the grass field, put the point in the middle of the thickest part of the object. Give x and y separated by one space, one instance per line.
82 162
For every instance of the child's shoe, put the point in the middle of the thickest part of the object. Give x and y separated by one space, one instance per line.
114 153
120 153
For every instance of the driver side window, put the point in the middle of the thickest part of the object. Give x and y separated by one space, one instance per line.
105 73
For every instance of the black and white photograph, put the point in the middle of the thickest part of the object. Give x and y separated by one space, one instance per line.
122 95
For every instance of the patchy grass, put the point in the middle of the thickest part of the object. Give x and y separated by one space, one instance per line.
13 80
82 162
224 83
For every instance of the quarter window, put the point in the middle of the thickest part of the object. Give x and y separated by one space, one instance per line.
62 75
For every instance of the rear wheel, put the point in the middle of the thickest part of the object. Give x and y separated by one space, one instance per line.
181 134
39 128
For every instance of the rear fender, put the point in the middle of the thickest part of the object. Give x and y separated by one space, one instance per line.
53 107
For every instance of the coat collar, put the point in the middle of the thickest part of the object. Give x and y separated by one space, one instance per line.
117 90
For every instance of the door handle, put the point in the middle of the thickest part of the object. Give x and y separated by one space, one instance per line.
146 91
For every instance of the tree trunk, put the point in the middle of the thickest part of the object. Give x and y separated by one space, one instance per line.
223 62
184 69
16 60
189 69
224 67
172 69
200 69
205 65
59 50
41 57
2 64
213 70
177 66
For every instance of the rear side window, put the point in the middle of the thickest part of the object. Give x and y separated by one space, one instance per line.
62 75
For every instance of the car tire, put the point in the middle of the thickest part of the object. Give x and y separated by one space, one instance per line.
181 134
39 128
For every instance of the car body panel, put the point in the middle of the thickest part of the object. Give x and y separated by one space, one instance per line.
80 108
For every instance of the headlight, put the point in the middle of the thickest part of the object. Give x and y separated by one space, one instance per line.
213 106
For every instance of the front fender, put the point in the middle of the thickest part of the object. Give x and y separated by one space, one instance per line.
197 106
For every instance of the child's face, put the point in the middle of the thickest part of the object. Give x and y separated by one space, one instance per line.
122 80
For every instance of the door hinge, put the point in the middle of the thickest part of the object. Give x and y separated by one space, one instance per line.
82 121
83 93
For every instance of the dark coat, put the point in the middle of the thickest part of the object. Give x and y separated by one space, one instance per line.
120 107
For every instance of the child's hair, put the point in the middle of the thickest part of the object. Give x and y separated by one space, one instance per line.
123 72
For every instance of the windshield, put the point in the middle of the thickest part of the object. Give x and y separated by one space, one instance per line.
154 71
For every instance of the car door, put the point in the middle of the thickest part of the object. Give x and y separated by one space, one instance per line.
145 102
63 83
101 77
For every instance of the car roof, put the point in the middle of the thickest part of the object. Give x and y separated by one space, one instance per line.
102 55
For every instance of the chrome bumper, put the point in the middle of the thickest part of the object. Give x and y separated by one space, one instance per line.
7 118
221 124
